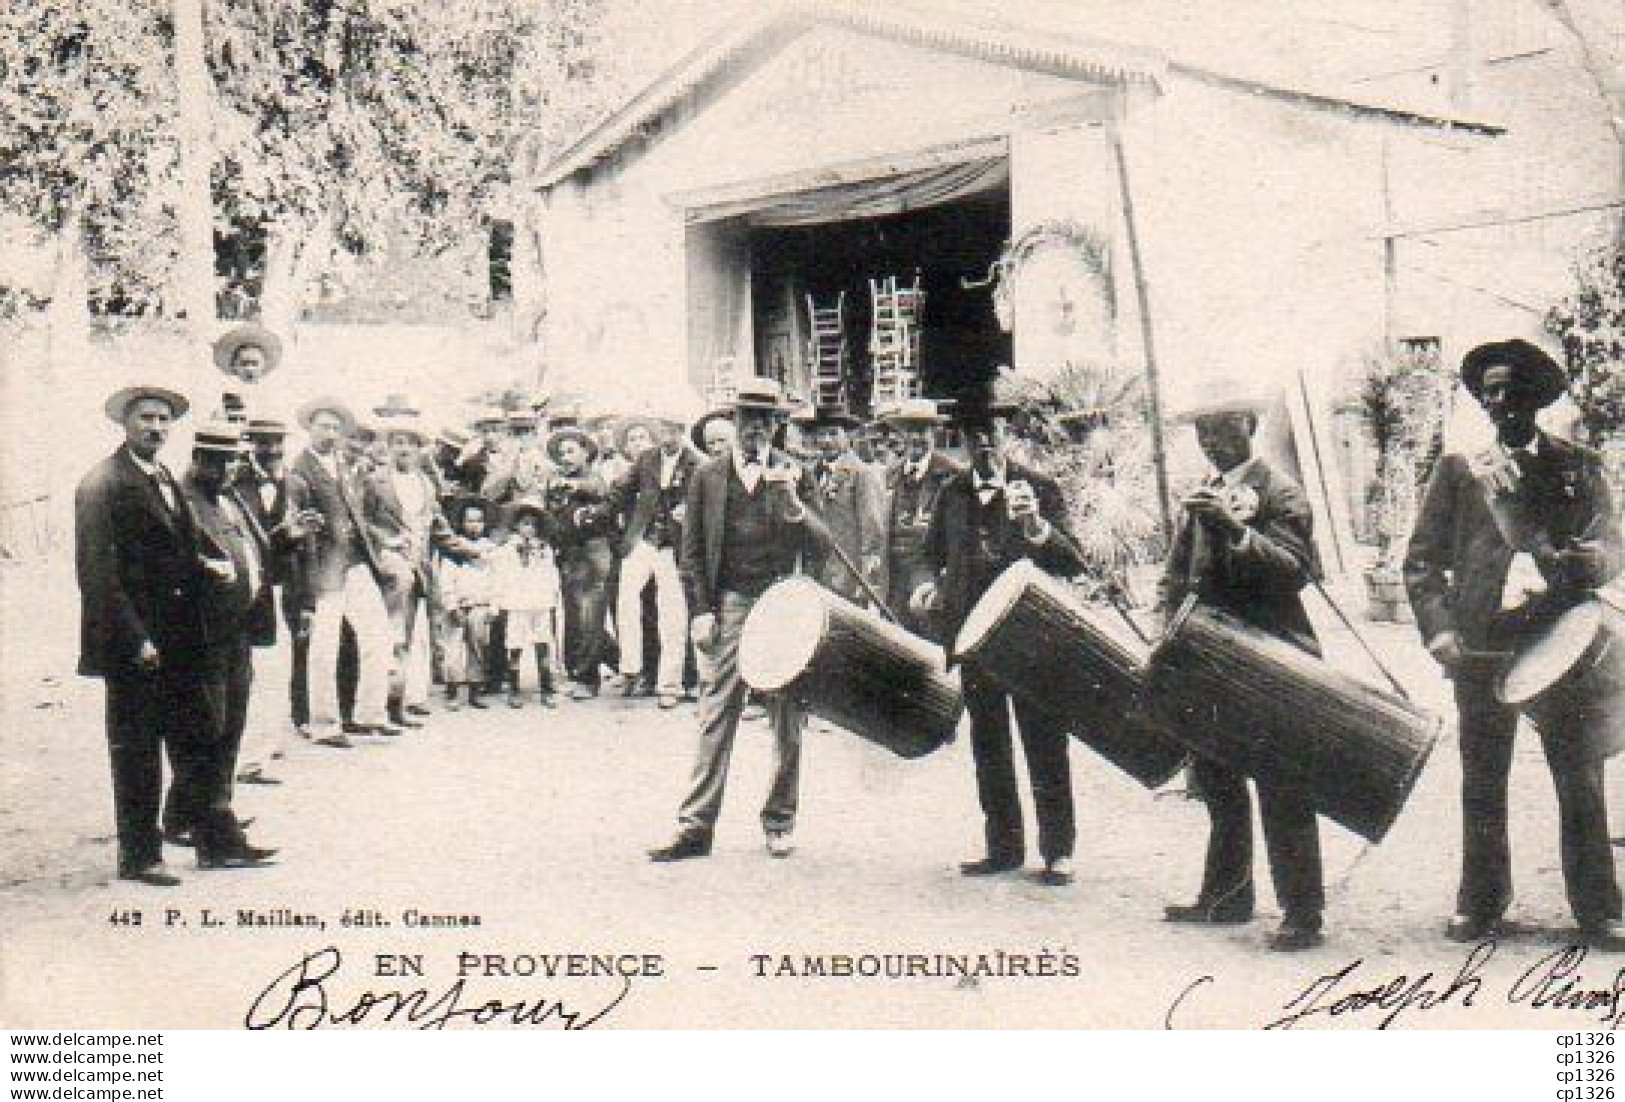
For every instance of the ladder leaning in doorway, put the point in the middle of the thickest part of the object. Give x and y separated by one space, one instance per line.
827 351
894 340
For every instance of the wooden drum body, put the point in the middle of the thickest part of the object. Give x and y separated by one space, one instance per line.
1261 706
1081 667
1571 677
850 667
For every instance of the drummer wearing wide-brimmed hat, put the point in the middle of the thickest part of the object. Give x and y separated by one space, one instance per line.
912 485
1504 540
1245 544
744 527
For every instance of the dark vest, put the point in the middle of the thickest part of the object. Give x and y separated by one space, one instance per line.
748 561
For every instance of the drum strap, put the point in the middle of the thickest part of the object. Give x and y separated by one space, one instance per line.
1360 638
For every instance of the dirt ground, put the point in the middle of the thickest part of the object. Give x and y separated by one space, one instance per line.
535 823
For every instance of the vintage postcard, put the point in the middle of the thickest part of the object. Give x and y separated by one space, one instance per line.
825 514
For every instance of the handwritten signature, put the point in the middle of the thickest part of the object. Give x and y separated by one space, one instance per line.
1555 982
299 998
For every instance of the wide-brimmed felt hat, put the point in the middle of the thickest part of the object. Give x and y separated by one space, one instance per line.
815 417
1220 396
227 344
118 402
571 432
1527 360
524 506
218 436
452 437
329 404
490 415
981 401
696 431
757 392
911 411
409 423
397 405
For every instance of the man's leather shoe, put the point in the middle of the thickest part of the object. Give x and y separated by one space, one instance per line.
681 849
1607 936
1295 937
1056 873
175 837
335 740
668 701
156 875
780 843
419 710
257 776
399 718
1207 914
245 857
989 866
1465 928
582 691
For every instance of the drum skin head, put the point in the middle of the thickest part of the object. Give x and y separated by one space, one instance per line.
782 634
1542 663
990 610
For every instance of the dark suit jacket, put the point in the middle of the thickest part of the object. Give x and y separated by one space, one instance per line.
235 610
323 556
852 504
1261 579
642 486
705 515
949 540
140 578
1456 563
910 537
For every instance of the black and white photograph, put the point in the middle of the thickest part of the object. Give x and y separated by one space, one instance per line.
813 515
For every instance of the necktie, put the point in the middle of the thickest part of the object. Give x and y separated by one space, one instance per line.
166 487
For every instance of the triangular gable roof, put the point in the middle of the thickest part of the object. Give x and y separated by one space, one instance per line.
945 28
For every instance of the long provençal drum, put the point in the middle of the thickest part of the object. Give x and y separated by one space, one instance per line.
1079 666
1569 679
1263 707
850 667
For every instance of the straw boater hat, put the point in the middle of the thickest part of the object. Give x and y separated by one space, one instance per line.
398 414
227 344
911 411
571 432
1219 396
452 437
265 427
326 404
696 431
523 418
490 415
982 400
218 437
760 393
1529 361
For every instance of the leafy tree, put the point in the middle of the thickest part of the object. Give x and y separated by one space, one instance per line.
1590 323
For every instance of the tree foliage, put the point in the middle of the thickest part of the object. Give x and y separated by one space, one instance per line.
1590 323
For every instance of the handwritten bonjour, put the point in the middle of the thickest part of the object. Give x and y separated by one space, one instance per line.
299 998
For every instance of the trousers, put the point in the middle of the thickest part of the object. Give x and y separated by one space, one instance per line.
1049 770
361 604
659 564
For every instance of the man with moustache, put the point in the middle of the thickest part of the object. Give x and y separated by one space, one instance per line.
849 496
339 577
988 517
912 487
1245 545
1504 542
744 526
238 615
142 630
657 485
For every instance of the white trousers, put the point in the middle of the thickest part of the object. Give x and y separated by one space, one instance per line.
646 562
419 667
362 603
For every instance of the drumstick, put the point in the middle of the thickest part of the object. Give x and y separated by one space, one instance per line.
1359 637
868 590
1116 601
